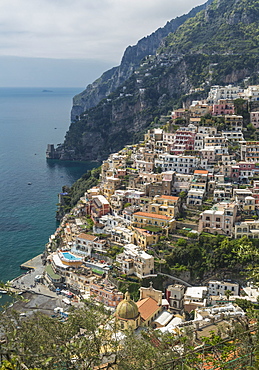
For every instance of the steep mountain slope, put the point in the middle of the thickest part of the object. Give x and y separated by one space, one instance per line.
217 46
225 27
113 78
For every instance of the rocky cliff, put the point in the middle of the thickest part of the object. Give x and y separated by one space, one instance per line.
112 79
203 51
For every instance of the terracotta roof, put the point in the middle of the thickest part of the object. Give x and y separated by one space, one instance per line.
147 307
142 231
87 237
202 172
169 197
152 215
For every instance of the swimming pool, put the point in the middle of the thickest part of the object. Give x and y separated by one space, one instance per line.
70 257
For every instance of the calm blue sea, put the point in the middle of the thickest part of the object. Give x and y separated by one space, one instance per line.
29 120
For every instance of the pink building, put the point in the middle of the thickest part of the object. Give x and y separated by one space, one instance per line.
219 219
255 192
99 207
222 108
121 173
106 294
254 118
246 169
183 140
235 172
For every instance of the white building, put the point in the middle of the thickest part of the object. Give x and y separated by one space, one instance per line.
195 296
178 163
134 261
219 287
251 93
195 197
86 243
223 92
235 136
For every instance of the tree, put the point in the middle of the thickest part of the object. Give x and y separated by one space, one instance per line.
183 194
47 343
90 338
228 293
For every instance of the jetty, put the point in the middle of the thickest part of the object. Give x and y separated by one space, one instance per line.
33 264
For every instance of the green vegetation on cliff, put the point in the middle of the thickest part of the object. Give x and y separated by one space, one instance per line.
225 27
77 190
217 46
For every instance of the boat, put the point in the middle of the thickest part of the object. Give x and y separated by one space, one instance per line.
3 291
29 183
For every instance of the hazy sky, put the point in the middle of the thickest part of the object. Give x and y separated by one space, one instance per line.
70 43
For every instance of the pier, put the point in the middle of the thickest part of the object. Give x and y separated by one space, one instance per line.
33 264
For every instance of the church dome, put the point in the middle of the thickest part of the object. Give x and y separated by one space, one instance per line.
127 309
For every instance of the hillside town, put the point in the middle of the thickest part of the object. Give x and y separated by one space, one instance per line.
196 173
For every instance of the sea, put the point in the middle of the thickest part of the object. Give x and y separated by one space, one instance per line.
31 118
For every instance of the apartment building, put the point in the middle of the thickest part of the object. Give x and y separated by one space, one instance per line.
85 243
250 151
223 192
213 140
219 287
182 182
144 238
198 187
254 119
199 109
109 186
219 219
251 93
178 163
146 219
249 228
165 205
234 122
99 207
222 108
183 140
229 92
134 261
106 294
234 136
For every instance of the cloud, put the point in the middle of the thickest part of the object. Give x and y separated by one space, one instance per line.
81 29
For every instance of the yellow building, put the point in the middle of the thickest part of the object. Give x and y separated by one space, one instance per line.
109 186
131 315
145 219
165 205
249 228
143 238
149 304
249 204
127 314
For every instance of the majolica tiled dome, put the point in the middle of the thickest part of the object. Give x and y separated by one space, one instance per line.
127 309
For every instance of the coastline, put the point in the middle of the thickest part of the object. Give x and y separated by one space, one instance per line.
37 296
